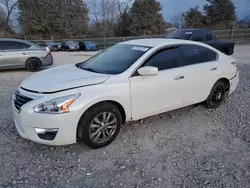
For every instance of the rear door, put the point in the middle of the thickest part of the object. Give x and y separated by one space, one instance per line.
200 71
16 53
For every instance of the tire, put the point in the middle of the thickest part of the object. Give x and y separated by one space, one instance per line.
217 95
92 129
33 65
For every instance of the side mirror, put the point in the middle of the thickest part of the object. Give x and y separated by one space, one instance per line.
148 71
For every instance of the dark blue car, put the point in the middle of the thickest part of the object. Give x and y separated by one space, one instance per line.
88 46
51 45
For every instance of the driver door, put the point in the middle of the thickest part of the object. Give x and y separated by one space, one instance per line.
151 95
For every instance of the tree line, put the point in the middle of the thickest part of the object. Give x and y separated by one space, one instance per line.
48 19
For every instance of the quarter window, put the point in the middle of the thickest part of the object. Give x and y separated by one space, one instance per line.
165 59
194 54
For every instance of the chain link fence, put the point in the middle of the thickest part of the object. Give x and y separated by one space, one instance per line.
237 35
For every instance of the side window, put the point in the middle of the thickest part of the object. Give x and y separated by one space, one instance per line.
165 59
194 54
13 45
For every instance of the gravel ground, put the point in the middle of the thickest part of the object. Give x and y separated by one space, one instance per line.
187 148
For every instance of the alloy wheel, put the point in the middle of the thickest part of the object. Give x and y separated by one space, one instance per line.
102 127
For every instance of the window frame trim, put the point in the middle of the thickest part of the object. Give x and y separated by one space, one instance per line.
135 73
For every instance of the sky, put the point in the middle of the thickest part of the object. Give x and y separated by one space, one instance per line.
172 7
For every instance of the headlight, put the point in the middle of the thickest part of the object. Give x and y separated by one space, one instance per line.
56 106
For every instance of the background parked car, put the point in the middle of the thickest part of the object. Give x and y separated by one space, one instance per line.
88 46
16 53
51 45
70 46
59 45
206 36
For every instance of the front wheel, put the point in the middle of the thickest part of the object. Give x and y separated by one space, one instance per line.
100 125
217 95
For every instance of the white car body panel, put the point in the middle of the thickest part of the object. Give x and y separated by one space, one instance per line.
165 93
60 78
140 96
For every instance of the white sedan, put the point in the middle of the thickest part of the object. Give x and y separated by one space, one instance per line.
89 101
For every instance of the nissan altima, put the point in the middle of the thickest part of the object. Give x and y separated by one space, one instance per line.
89 101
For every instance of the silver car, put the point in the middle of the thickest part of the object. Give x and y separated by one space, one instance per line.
15 53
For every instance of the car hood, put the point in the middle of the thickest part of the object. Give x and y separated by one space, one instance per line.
62 78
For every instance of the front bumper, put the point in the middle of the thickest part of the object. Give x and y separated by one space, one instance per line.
234 82
65 125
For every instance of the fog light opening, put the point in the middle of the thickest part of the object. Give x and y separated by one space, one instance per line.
46 134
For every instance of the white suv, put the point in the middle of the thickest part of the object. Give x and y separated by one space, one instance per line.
90 101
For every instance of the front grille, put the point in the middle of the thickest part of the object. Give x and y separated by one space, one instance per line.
20 100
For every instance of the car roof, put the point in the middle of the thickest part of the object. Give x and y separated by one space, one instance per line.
153 42
16 40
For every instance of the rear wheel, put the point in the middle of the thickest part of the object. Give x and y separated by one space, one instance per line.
100 125
217 95
33 64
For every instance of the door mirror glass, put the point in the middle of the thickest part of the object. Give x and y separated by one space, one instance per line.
148 71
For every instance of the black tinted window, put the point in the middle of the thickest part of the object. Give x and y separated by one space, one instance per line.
208 37
12 45
166 59
193 54
198 36
180 34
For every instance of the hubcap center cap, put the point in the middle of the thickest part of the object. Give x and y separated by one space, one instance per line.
218 96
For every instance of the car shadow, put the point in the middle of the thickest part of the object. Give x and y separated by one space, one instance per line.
8 70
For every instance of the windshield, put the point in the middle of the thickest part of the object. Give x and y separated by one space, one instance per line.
114 60
180 34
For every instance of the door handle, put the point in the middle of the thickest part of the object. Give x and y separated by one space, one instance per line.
24 53
179 78
213 69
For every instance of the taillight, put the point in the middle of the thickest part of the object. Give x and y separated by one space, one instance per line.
48 50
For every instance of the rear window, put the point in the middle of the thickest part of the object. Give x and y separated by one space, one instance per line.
180 34
13 45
